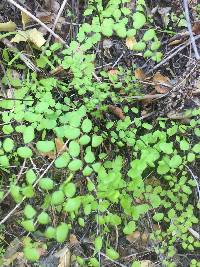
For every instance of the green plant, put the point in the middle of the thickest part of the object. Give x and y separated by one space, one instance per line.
64 127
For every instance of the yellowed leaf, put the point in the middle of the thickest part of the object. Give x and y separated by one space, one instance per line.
162 83
139 74
25 19
33 35
36 37
9 26
130 41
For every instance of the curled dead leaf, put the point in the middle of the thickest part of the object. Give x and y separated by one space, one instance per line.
196 28
162 83
9 26
116 111
139 74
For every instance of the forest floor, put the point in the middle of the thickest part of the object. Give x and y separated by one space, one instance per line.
100 133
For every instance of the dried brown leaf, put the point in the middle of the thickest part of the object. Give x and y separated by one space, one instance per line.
59 145
196 28
117 112
133 237
45 17
139 74
162 83
73 240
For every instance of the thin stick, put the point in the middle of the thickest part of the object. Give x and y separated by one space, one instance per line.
194 233
172 55
195 179
37 20
187 16
57 17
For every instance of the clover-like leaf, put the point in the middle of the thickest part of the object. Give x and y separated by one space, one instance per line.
139 20
29 211
8 144
96 140
72 204
24 152
62 232
45 146
28 134
62 161
57 197
50 232
112 254
28 225
89 157
86 126
43 218
31 253
69 190
71 132
74 149
46 183
149 35
75 165
30 176
84 139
